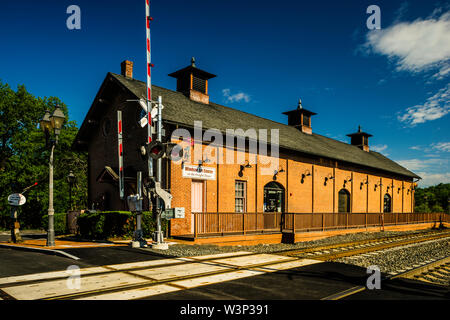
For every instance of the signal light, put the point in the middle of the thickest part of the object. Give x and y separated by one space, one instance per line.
155 150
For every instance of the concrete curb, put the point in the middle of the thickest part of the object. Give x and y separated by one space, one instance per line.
45 251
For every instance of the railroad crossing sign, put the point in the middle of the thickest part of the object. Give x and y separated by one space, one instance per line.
16 199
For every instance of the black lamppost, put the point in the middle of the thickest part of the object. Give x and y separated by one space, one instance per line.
48 124
71 178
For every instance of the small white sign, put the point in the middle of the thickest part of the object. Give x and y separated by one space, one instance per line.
199 172
16 199
179 212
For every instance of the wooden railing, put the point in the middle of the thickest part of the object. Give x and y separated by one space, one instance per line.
222 223
300 222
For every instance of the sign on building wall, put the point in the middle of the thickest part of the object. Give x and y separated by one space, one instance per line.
199 172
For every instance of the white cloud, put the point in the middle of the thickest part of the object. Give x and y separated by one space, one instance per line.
441 146
434 108
237 97
432 171
379 148
432 179
415 46
443 72
421 164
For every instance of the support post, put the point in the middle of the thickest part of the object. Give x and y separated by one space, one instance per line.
15 226
120 152
195 225
366 220
51 211
159 237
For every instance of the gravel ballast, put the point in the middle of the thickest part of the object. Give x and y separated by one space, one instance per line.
184 250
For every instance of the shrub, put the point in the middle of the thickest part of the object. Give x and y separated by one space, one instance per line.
59 224
423 208
437 208
115 224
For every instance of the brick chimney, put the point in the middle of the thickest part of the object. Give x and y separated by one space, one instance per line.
193 82
127 68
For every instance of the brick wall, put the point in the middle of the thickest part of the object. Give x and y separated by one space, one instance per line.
310 196
220 193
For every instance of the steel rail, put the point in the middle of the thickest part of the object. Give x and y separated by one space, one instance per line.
415 235
423 269
153 282
288 252
377 247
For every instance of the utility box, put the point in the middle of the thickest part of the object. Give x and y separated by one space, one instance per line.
134 203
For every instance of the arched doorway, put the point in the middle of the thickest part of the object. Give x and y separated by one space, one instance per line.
387 207
344 201
274 203
273 197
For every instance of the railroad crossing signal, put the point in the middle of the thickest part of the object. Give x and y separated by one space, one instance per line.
157 150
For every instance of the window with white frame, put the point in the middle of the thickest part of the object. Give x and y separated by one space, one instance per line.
240 196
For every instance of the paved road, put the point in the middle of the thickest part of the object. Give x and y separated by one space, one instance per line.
312 281
17 262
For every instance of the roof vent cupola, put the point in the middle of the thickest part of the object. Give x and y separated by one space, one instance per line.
193 82
360 139
300 118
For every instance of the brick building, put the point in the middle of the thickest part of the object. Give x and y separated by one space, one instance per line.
314 174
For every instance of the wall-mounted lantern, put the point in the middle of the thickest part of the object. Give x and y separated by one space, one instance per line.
378 185
243 167
329 177
348 179
200 164
365 181
304 175
277 172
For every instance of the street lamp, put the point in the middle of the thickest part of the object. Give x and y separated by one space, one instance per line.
71 178
48 123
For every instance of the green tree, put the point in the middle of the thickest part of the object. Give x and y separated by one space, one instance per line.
24 157
435 197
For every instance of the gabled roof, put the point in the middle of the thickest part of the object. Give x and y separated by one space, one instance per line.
182 110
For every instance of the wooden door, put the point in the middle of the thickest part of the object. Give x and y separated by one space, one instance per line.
196 201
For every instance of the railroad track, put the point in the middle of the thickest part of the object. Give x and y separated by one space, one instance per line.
340 250
147 278
144 279
435 272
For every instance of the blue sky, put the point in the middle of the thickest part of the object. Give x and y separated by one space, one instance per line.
394 82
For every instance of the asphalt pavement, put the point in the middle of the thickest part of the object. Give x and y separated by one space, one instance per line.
309 282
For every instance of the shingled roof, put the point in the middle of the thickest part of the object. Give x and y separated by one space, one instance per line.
182 110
